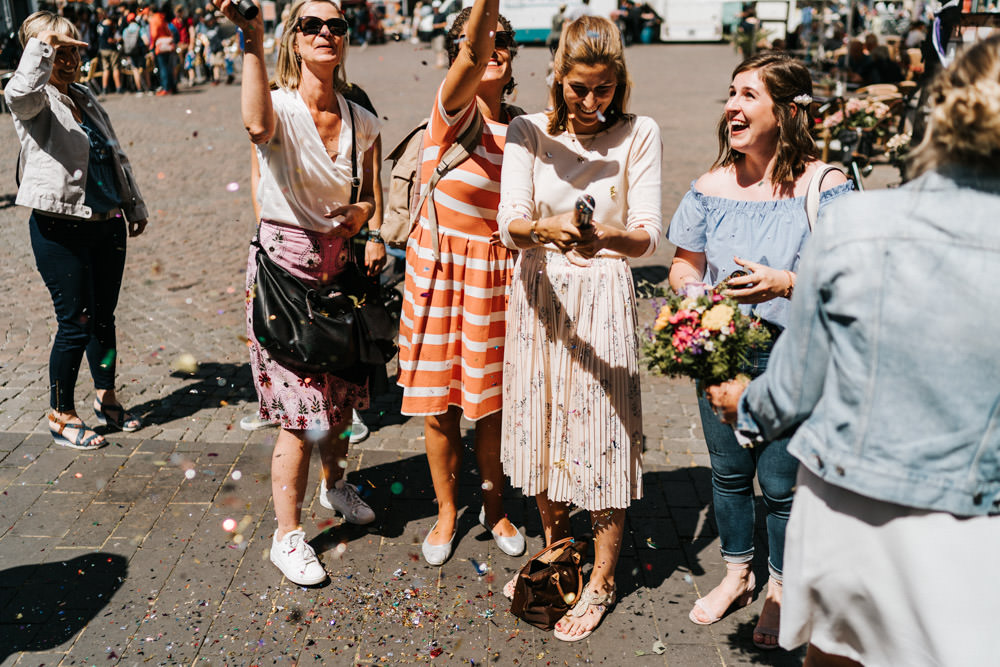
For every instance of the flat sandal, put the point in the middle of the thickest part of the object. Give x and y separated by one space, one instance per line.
588 599
57 428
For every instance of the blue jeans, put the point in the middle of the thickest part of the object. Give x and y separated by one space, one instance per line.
733 469
165 66
82 265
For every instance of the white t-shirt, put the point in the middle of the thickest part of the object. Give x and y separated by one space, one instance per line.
299 182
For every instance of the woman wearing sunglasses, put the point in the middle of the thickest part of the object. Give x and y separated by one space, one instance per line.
301 125
452 329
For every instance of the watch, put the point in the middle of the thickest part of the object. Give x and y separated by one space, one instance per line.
375 236
534 234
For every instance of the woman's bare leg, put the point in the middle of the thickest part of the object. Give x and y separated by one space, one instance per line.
443 439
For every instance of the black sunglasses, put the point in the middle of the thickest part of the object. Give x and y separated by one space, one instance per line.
501 39
312 25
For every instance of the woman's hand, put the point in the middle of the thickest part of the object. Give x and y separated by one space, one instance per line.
374 258
561 231
725 398
348 220
57 39
229 9
136 227
593 239
762 284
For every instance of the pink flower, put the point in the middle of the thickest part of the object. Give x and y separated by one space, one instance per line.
684 316
682 338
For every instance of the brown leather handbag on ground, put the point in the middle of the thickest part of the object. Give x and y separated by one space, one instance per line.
549 583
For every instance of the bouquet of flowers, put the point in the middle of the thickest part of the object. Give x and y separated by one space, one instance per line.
858 114
897 149
702 335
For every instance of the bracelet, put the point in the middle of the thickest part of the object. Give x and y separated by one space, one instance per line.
791 284
534 234
375 236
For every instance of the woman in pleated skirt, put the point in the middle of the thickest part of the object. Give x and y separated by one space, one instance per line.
572 416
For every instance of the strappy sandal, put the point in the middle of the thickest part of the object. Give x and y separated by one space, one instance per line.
743 600
58 429
589 599
766 631
116 416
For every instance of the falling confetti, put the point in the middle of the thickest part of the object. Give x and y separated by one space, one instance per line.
190 473
396 488
233 187
186 363
237 475
229 525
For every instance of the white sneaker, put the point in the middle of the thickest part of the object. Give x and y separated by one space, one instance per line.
358 429
344 499
296 559
255 423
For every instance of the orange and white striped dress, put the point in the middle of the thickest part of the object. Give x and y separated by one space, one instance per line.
451 334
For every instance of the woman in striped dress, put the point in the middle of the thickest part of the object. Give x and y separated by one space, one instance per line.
452 328
572 431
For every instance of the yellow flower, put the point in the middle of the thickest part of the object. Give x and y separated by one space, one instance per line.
662 319
719 316
690 303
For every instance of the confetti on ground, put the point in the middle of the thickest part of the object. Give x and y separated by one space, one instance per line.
233 187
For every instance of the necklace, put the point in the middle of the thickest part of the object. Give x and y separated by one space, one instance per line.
585 148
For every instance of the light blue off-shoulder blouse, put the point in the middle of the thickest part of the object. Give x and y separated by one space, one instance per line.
768 232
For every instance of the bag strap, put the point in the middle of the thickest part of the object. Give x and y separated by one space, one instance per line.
355 180
555 545
457 153
812 194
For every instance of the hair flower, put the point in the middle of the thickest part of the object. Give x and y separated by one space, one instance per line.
803 100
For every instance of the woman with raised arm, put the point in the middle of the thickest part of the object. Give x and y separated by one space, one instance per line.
303 131
85 202
747 214
572 431
451 334
891 390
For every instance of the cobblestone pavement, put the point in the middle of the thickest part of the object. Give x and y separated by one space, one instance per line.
120 557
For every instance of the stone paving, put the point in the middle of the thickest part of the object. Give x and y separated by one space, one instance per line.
120 556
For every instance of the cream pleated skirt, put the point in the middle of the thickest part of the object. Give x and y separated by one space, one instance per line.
572 413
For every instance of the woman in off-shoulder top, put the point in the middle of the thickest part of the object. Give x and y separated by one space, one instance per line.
747 214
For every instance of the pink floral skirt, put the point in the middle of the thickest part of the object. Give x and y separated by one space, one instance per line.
295 399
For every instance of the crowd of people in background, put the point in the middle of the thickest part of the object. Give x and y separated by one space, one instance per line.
127 44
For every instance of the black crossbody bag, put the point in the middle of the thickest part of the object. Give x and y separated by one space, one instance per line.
342 327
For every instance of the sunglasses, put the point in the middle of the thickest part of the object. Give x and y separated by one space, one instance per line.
501 39
312 25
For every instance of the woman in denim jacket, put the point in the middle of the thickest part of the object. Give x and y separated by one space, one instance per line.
889 368
747 214
76 178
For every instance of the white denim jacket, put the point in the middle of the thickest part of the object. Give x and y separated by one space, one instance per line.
54 148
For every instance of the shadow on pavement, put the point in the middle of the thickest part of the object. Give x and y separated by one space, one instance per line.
45 605
210 384
741 643
646 278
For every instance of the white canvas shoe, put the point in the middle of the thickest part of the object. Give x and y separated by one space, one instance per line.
359 431
296 559
344 498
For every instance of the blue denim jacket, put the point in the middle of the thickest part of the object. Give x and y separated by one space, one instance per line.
890 365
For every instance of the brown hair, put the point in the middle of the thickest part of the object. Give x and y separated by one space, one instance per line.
964 124
288 71
591 41
785 78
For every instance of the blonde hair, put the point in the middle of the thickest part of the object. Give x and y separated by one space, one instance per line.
288 71
964 123
42 21
590 41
